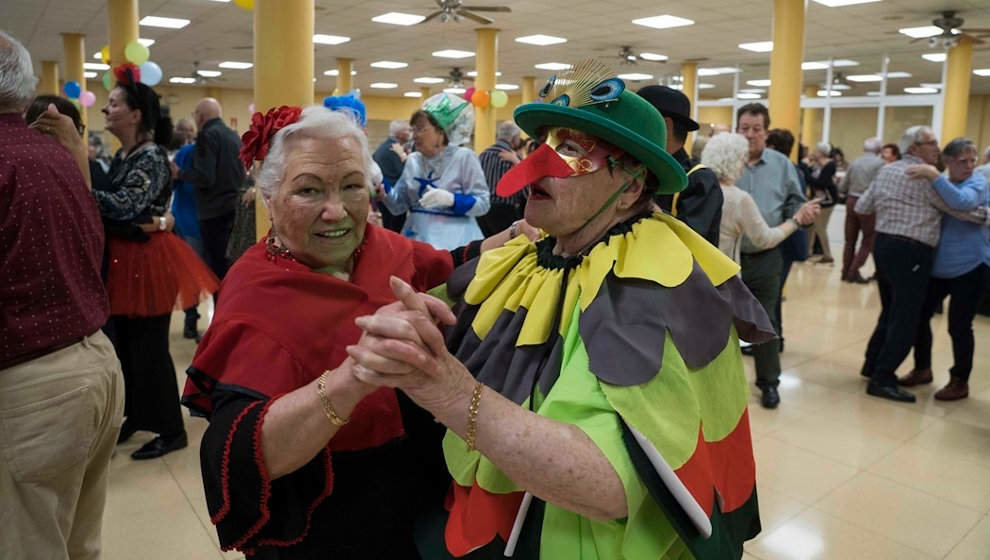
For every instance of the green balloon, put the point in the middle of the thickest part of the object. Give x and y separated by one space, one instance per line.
136 52
107 80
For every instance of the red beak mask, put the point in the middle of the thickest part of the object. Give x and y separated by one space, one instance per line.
566 153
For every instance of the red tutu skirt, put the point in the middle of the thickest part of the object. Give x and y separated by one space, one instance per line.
154 278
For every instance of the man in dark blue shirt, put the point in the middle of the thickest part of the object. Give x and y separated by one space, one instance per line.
391 158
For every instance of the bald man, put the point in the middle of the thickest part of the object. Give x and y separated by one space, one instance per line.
218 176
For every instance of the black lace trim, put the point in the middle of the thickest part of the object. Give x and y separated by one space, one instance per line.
544 247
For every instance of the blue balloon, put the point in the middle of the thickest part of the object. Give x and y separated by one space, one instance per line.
151 73
72 89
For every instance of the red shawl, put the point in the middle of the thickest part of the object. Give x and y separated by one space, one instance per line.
279 325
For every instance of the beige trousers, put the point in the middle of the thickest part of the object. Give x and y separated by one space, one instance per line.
820 230
59 419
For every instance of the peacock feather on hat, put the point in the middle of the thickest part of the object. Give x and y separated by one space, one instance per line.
589 82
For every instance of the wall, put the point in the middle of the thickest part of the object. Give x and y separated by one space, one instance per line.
708 116
978 121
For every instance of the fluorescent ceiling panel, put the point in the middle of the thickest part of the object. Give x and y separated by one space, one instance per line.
823 64
541 40
934 57
920 32
748 96
322 39
653 57
552 66
665 21
412 94
166 22
181 80
759 83
636 76
759 46
706 86
454 90
398 18
384 85
920 90
95 66
506 87
982 71
336 72
234 65
826 93
428 80
717 71
841 3
388 64
452 53
209 73
474 74
90 74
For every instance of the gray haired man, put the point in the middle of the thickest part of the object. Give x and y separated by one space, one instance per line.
496 161
861 173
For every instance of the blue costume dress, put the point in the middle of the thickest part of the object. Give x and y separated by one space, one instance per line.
455 169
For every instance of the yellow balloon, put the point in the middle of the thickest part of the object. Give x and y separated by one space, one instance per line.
136 52
246 4
499 98
105 54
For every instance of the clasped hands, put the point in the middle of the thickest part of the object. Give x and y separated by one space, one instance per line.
402 347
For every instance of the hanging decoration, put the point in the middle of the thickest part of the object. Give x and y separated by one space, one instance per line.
499 99
151 73
87 99
468 93
108 80
105 54
72 89
480 98
136 52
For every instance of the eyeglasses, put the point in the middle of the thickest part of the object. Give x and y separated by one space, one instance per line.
421 129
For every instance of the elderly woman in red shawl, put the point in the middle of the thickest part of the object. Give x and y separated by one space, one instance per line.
301 459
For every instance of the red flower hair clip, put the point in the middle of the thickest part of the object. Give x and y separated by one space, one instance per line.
127 73
255 142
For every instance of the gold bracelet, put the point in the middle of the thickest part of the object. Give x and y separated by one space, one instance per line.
472 422
321 390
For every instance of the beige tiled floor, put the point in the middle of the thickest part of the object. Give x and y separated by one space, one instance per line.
841 475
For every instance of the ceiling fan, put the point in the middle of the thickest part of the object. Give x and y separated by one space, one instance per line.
454 10
200 78
456 78
952 29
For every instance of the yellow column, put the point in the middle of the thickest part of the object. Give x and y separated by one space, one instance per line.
73 49
785 65
283 64
958 66
425 92
48 83
486 62
344 82
808 118
528 89
122 19
689 78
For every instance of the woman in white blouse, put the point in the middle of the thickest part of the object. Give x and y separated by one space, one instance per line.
725 155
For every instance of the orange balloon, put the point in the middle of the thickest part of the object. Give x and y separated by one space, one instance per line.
480 98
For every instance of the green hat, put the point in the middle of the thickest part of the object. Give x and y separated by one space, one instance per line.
598 104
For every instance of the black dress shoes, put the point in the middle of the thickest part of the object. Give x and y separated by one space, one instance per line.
770 398
126 431
893 393
160 446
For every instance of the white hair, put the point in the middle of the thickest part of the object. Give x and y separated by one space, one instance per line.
872 145
17 79
912 136
824 147
395 126
316 121
507 130
725 154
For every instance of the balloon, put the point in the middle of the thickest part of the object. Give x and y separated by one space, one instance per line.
87 99
72 89
480 99
108 80
136 52
105 54
499 98
468 93
246 4
77 104
151 73
251 108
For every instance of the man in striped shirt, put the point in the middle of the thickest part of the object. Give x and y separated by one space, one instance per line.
496 161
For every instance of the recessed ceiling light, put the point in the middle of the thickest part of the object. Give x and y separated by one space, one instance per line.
181 80
748 96
552 66
170 23
930 85
839 86
541 40
389 64
454 90
508 87
665 21
321 39
873 93
840 3
759 83
920 32
678 87
398 18
428 80
90 74
717 71
412 94
826 93
209 73
653 57
823 64
759 46
336 72
235 65
752 90
865 78
474 74
706 86
95 66
920 90
898 75
982 71
384 85
635 76
452 53
934 57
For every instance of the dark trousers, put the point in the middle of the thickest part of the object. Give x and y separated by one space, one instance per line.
793 249
761 274
965 292
389 220
903 270
151 392
853 260
216 235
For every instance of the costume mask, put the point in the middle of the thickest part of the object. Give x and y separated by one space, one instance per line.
547 161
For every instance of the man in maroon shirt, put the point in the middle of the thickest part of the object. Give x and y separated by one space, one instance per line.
61 390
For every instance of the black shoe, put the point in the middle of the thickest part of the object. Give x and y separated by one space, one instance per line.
160 446
770 398
190 331
126 431
892 393
747 350
781 347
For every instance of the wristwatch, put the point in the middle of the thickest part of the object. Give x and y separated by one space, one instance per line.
513 229
162 223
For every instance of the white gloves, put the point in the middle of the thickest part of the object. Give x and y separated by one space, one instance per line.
437 198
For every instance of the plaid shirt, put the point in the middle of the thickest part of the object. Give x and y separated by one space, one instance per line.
908 207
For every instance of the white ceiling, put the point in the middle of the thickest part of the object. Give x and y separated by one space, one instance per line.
593 28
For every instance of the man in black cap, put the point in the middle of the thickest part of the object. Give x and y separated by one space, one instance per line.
700 204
